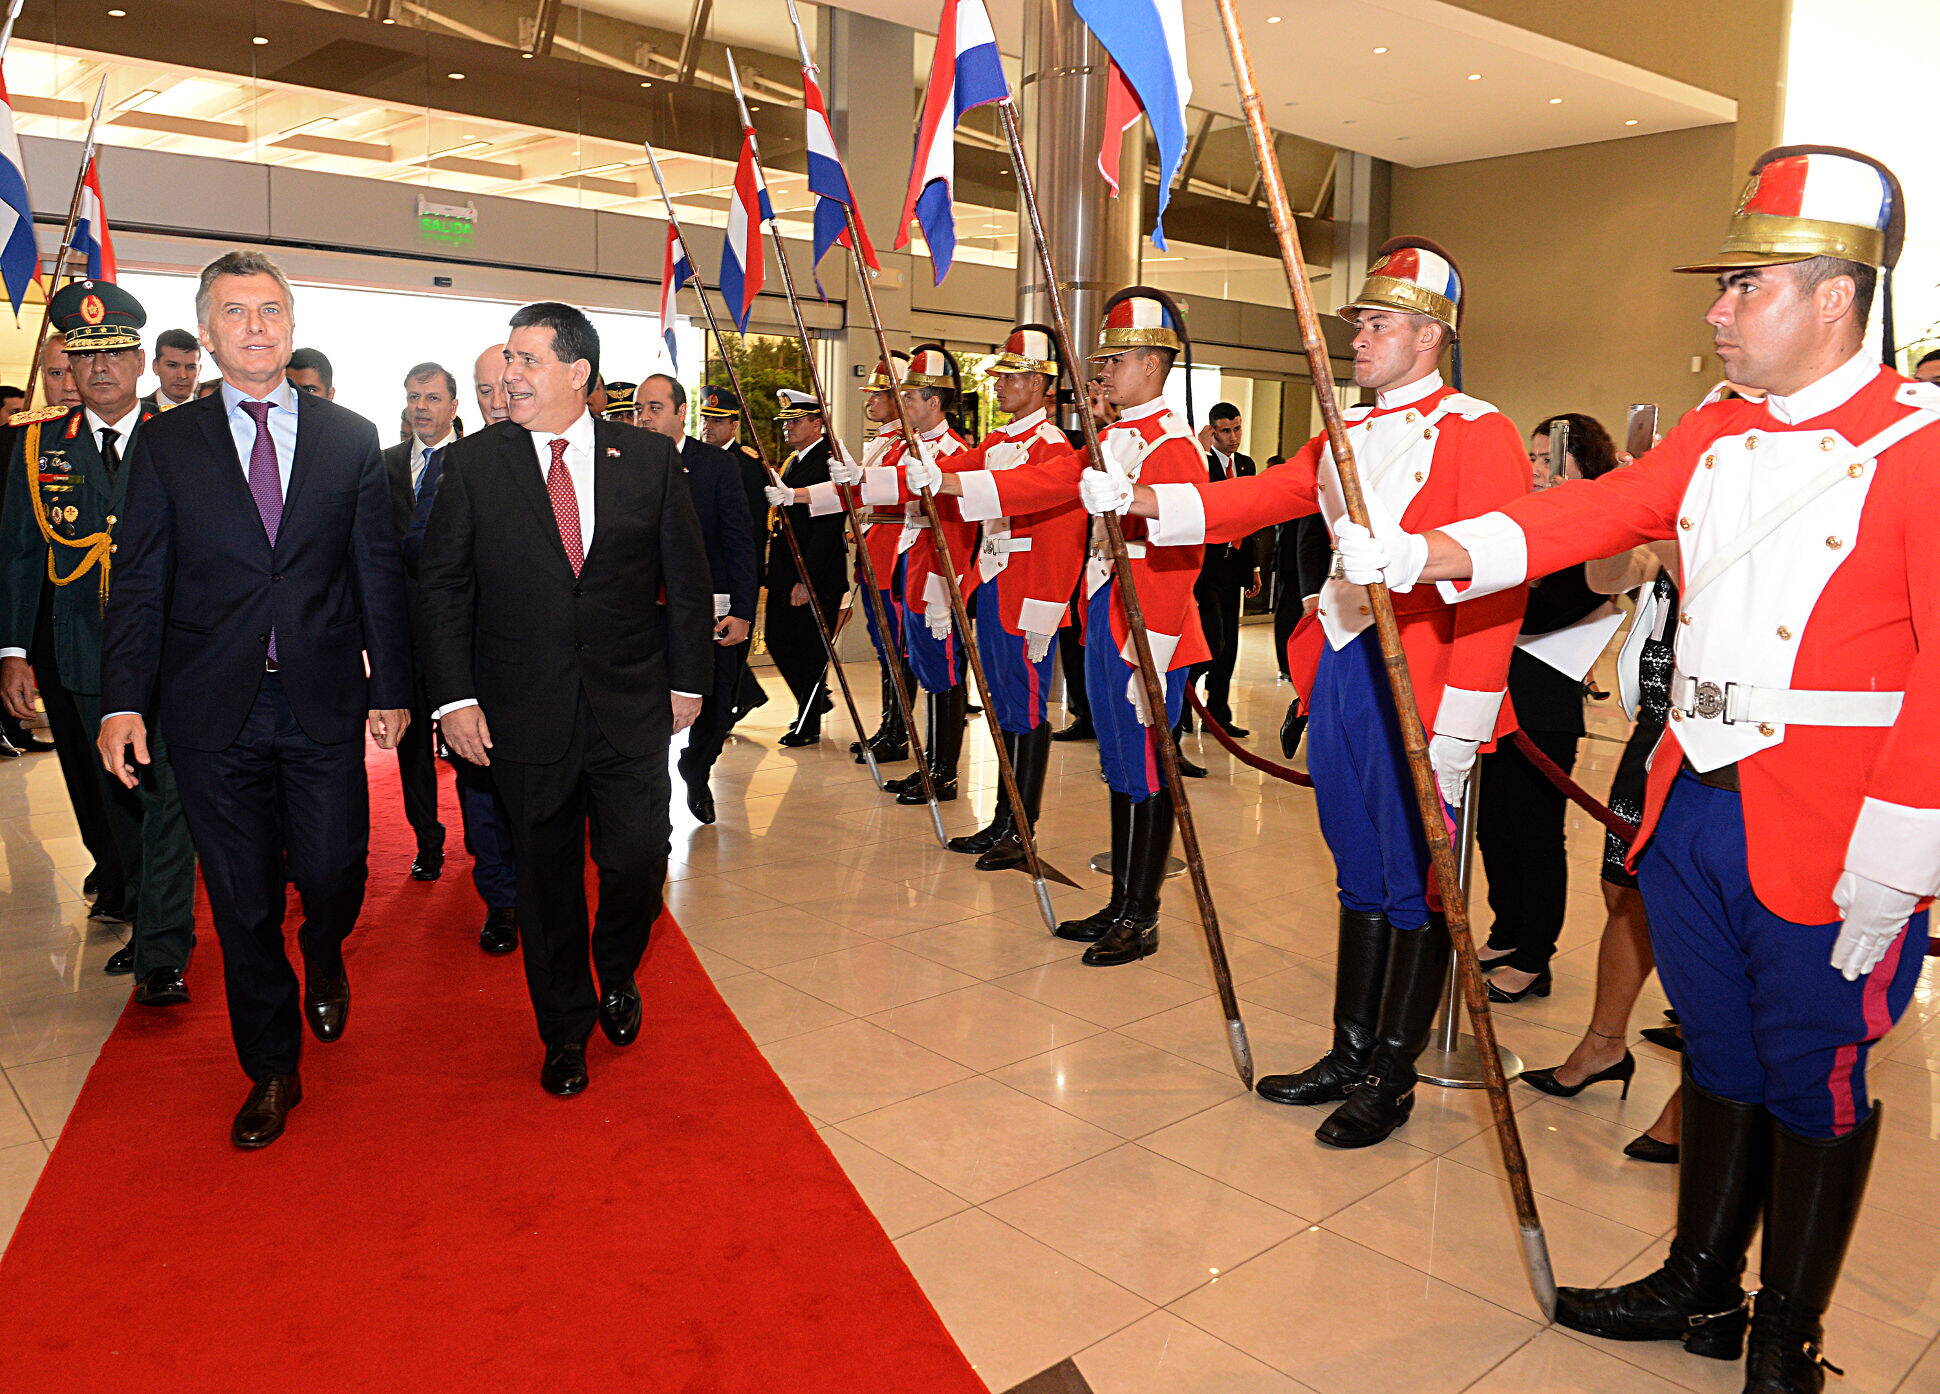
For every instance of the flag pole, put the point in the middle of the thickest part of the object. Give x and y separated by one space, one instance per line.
1434 824
787 521
891 669
1154 685
1034 864
67 244
6 34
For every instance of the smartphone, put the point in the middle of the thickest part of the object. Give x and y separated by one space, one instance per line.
1641 434
1559 450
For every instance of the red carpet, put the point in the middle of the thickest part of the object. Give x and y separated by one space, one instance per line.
433 1222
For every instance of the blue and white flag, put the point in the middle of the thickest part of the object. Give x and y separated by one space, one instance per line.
1147 41
19 253
968 73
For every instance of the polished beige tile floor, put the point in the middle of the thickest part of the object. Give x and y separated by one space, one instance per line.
1062 1154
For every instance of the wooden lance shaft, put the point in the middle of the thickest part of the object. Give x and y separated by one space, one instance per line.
67 247
1152 680
1414 739
822 624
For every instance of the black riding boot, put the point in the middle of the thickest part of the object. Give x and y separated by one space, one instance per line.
1817 1185
999 827
1382 1101
1092 927
891 741
1135 933
1030 758
1696 1297
1360 973
949 710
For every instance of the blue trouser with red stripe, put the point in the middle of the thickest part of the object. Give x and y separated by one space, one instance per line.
1019 688
937 663
1362 789
1766 1018
892 604
1127 748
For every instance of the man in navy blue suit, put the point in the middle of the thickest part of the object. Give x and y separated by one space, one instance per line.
256 574
714 482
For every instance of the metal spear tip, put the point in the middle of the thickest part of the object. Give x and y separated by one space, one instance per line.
1243 1055
936 821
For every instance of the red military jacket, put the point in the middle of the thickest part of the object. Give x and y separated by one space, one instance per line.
878 539
1153 445
883 488
1041 553
1424 452
1832 597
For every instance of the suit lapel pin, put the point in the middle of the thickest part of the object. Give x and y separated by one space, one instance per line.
612 452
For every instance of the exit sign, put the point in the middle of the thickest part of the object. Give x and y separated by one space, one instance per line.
447 224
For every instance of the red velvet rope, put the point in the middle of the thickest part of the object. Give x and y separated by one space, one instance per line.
1528 749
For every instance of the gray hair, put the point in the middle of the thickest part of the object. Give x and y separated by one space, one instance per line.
240 262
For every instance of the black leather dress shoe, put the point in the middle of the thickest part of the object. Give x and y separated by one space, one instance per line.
265 1111
30 746
620 1013
326 1000
110 913
1079 730
429 865
501 932
122 960
795 740
162 987
1190 770
700 802
564 1072
1126 940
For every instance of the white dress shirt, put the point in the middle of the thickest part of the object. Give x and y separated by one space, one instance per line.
420 452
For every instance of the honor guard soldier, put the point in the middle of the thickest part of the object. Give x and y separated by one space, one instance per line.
789 621
1791 829
931 386
64 491
1142 336
1026 568
1428 451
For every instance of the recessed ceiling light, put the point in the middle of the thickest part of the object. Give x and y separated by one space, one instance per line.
259 40
117 14
1273 19
1631 122
1555 101
1475 77
1382 49
387 21
646 84
456 77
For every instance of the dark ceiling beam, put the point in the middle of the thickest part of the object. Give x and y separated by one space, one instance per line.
544 27
690 46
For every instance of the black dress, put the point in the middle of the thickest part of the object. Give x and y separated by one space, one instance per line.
1653 710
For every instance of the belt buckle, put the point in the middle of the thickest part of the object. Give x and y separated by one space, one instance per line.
1708 701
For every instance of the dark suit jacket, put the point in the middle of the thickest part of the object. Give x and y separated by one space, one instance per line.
1231 563
824 540
197 587
507 623
1303 554
714 481
1544 699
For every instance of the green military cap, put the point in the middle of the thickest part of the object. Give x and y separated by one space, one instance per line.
718 401
96 316
620 400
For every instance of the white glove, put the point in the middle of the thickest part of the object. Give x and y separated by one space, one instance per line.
1105 491
1396 558
843 469
779 495
938 618
922 474
1874 917
1452 758
1135 694
1037 645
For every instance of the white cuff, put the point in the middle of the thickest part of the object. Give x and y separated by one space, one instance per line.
1897 846
936 595
1163 646
1467 715
1498 553
1041 616
695 695
13 653
979 503
450 707
823 499
1181 519
882 486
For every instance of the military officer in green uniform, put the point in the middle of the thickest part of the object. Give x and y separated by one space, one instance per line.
64 487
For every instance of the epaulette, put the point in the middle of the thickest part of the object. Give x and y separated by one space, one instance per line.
1924 395
1467 407
28 418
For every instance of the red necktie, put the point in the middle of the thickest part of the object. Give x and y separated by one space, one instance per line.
565 506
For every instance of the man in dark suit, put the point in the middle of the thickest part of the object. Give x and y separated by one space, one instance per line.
178 358
720 413
1229 573
413 466
257 573
714 482
794 641
566 609
65 492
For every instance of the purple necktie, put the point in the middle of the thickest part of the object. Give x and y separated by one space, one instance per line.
265 483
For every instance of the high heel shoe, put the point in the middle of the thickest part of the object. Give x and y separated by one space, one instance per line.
1546 1080
1648 1149
1668 1037
1538 987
